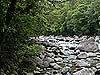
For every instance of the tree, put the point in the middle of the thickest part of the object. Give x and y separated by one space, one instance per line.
15 29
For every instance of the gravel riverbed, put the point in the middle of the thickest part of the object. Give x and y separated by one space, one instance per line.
68 55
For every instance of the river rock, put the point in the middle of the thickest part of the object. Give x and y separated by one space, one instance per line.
65 69
39 61
71 57
49 60
89 45
85 71
82 55
55 65
58 59
98 65
82 63
29 73
46 64
90 54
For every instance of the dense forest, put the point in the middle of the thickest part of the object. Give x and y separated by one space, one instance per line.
20 19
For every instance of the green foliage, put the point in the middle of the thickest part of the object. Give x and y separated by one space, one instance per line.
26 58
17 24
82 20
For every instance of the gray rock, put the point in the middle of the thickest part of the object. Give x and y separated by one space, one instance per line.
71 57
77 51
52 64
98 54
48 59
89 45
67 73
65 60
39 61
82 55
61 62
42 56
50 54
70 65
85 71
55 65
82 63
58 59
98 65
65 69
36 72
90 54
91 61
29 73
58 74
46 64
97 38
96 58
49 50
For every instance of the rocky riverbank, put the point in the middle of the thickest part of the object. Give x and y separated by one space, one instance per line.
68 55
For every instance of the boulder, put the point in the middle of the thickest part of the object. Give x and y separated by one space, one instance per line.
88 45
